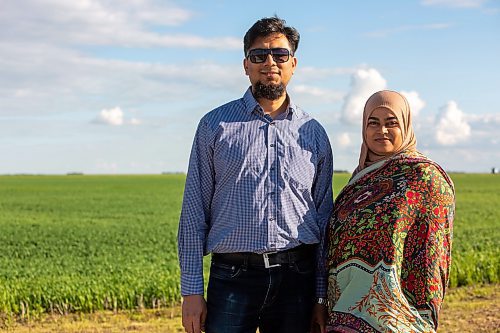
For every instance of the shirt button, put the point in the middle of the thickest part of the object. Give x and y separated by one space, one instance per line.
272 144
271 219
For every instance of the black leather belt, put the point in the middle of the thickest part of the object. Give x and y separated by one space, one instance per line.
268 259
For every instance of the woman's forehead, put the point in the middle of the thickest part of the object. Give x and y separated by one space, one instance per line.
382 113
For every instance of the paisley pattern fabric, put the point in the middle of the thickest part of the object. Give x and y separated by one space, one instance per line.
389 248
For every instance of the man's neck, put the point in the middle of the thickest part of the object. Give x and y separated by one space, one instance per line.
274 108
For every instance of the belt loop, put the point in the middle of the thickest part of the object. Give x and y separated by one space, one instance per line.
291 260
245 262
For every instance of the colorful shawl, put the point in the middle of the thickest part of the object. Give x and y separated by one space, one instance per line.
390 248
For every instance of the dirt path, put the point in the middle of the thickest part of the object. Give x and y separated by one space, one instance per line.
465 310
471 310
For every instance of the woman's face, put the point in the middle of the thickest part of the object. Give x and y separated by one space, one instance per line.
383 132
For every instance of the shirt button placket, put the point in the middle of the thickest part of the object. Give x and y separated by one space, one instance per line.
272 197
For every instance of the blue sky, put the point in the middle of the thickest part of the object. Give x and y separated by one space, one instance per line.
111 87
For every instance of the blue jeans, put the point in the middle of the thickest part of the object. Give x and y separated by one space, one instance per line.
242 297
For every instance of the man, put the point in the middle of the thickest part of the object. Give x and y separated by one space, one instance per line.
258 197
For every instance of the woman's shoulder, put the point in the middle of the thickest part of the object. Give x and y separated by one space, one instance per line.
425 168
416 161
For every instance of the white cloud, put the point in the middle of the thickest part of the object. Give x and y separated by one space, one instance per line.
32 74
493 119
342 140
110 23
452 126
135 121
327 95
364 82
112 117
307 73
115 117
152 13
454 3
391 31
416 103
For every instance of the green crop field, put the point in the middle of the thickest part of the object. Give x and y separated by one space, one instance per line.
87 243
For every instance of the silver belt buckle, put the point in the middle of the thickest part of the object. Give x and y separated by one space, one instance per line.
266 260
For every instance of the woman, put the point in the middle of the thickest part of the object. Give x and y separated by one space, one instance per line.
391 230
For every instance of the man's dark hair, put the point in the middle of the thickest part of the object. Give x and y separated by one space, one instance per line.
271 25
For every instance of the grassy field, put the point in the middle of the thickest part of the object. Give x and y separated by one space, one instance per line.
85 243
476 244
80 244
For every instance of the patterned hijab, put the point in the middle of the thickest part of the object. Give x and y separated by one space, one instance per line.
398 104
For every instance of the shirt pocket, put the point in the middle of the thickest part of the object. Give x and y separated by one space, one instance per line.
239 153
300 166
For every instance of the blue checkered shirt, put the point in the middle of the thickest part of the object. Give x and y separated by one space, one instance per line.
254 184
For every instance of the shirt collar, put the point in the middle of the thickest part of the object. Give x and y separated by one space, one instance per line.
251 104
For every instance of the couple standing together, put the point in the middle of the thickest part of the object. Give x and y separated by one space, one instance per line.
258 197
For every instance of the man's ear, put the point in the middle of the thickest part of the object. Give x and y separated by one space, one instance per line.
294 64
245 66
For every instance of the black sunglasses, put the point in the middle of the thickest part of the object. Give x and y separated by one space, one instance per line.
258 56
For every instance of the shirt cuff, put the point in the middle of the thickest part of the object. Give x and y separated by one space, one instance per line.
192 284
321 287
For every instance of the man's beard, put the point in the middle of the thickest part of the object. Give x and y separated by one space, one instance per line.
271 92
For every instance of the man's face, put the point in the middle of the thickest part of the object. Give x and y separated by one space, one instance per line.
270 72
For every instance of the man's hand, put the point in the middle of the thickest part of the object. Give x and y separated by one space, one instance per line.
194 313
318 320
